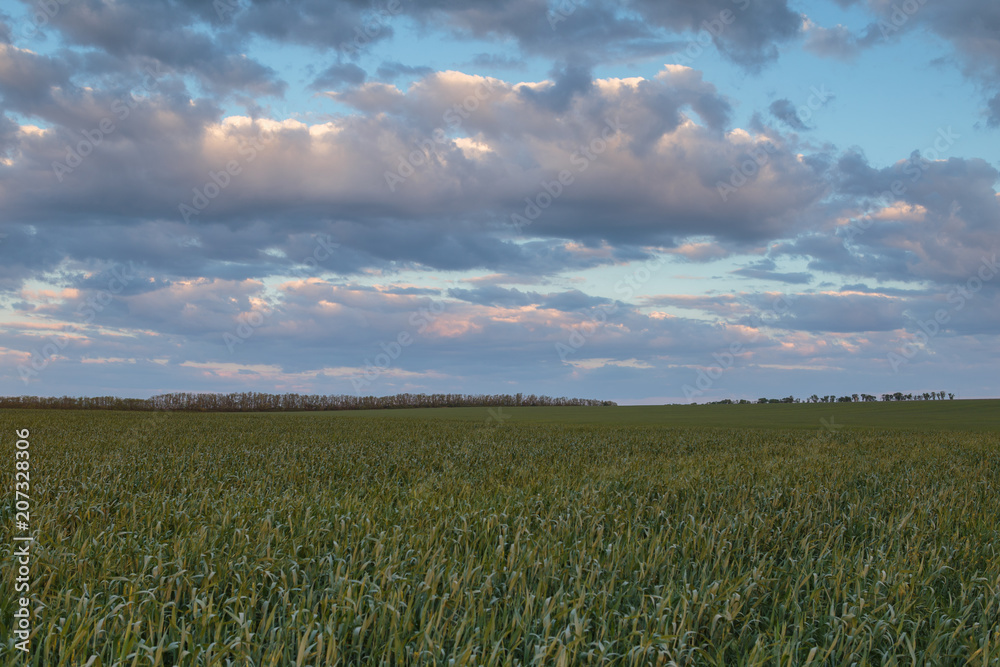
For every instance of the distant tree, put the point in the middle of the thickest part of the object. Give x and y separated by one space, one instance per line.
259 402
951 397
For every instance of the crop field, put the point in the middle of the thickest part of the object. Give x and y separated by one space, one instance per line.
323 539
969 415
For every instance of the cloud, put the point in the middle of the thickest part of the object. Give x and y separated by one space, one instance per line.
968 25
570 80
644 172
747 33
9 139
798 278
350 27
700 251
993 111
339 75
836 42
145 135
784 110
945 219
496 60
393 70
572 300
28 80
167 34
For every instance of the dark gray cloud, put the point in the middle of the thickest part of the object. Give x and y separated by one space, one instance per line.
391 70
9 130
345 26
491 295
496 296
27 81
543 29
840 43
836 42
796 278
993 111
569 80
339 75
747 33
141 33
785 111
496 60
915 221
838 313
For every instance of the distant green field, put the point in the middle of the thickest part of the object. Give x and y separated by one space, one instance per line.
973 415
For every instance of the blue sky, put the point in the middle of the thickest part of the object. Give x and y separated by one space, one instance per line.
759 197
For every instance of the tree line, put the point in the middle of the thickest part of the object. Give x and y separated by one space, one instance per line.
260 402
853 398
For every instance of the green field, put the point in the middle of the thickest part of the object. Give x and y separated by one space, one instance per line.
355 538
972 415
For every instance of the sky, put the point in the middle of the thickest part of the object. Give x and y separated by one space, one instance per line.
645 201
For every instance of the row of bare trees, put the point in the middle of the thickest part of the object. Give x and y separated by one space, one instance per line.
870 398
258 402
853 398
